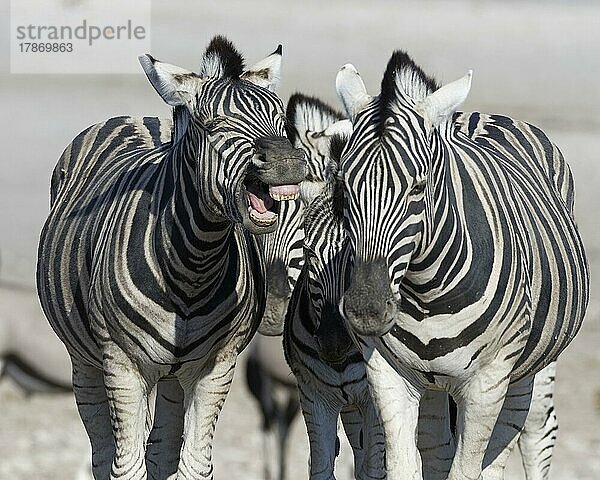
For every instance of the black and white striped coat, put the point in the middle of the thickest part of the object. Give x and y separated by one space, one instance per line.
315 125
147 265
467 271
329 369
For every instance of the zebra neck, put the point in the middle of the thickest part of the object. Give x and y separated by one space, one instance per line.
191 243
453 256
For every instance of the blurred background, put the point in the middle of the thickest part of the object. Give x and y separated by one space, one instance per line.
538 61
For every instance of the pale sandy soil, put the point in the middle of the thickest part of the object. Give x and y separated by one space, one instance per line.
537 61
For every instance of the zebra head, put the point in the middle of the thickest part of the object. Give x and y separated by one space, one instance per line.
307 118
244 163
387 169
322 132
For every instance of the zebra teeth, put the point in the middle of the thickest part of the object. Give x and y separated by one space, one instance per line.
281 198
281 193
262 219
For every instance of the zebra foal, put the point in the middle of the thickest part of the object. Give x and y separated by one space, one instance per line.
148 268
467 273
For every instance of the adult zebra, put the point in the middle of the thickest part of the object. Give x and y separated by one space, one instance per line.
147 266
480 244
309 336
330 371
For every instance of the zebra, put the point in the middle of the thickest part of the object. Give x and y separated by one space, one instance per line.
313 127
316 127
330 373
330 370
268 376
147 265
466 270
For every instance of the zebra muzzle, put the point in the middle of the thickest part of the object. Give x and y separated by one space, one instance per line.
261 206
262 200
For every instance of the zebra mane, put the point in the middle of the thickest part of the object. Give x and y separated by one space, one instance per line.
333 190
336 147
308 113
402 74
221 59
181 119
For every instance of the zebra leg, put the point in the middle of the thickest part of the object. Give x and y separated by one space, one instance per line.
127 392
539 434
365 435
165 439
92 403
205 389
507 429
321 425
397 399
435 440
352 421
479 404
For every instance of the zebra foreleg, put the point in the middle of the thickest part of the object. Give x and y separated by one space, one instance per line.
205 389
435 440
321 424
365 435
352 421
92 403
397 401
507 429
479 402
164 442
127 391
537 440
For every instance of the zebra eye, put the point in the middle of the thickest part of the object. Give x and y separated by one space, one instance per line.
214 123
309 252
418 188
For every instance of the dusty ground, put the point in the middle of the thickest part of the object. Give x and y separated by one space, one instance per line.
535 60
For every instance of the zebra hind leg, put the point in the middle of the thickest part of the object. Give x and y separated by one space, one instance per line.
205 389
365 434
165 439
435 440
539 434
92 403
352 421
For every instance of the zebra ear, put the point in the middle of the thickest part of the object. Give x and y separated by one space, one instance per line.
342 128
351 90
439 106
267 72
177 86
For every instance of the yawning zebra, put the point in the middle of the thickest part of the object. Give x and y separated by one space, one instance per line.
147 265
